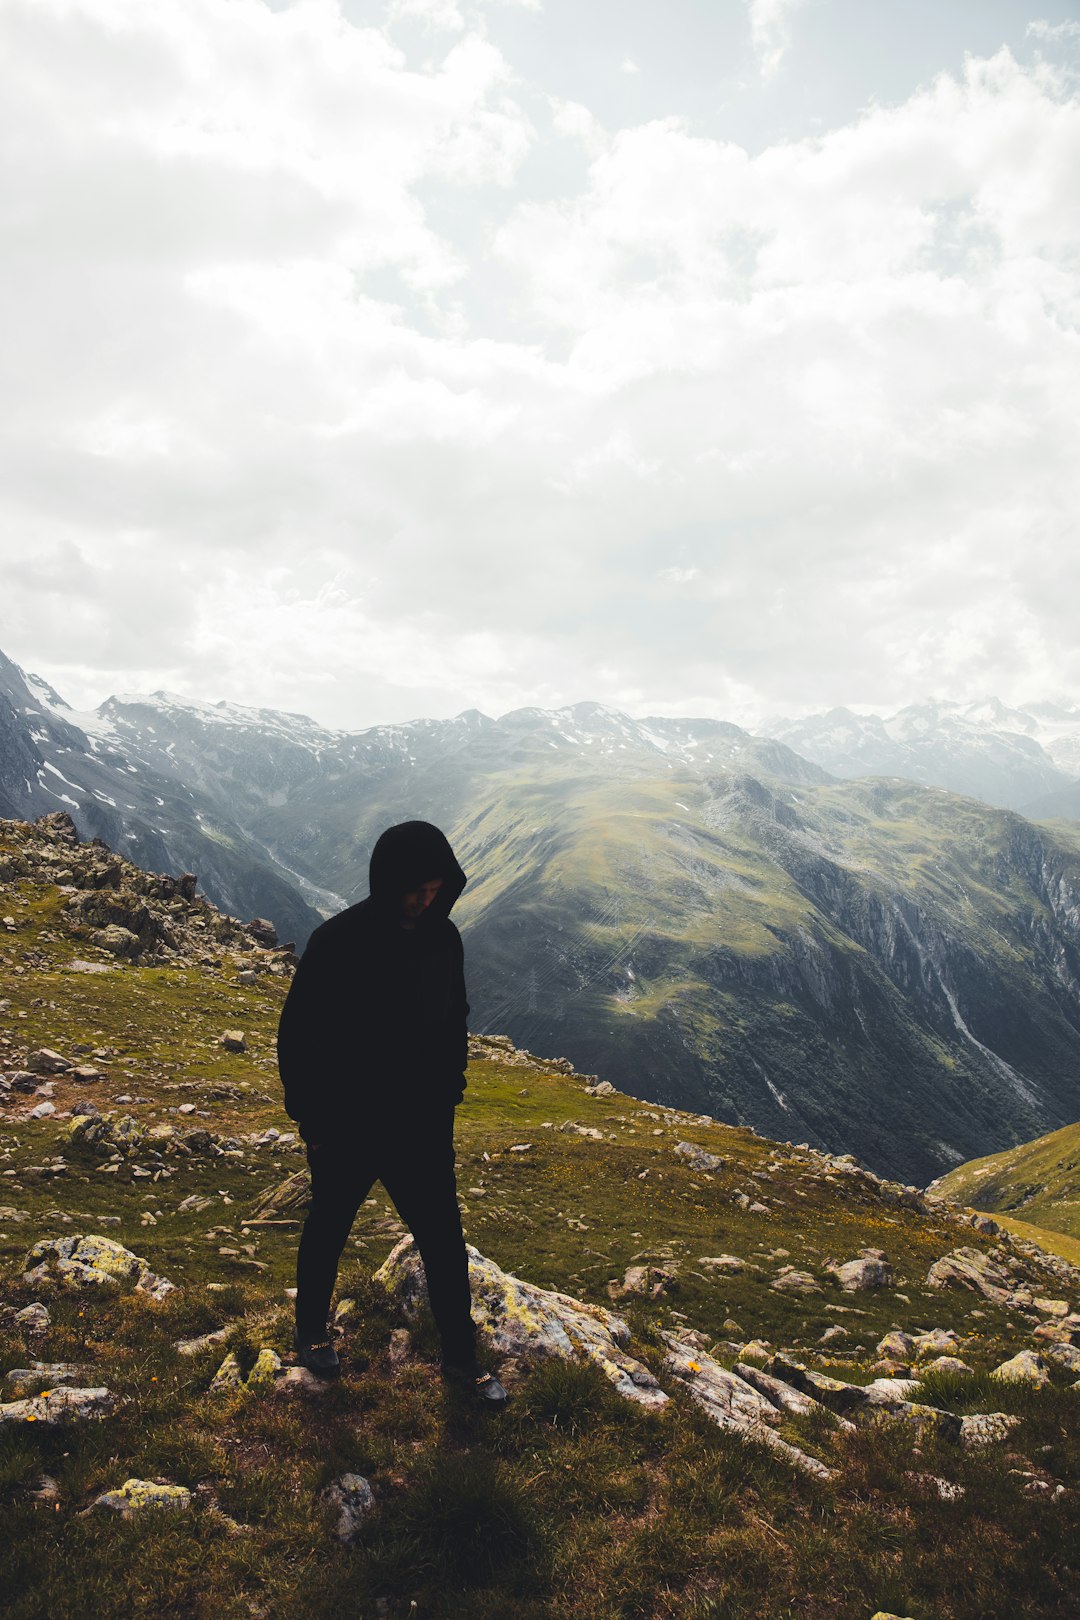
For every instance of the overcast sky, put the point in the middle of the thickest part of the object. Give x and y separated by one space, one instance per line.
379 360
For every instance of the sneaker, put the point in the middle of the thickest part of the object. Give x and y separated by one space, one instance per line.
484 1385
317 1355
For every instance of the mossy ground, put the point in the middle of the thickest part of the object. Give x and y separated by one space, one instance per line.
572 1502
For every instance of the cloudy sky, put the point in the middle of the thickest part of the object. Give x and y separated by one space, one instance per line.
384 358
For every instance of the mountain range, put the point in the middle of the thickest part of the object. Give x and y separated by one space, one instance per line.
706 916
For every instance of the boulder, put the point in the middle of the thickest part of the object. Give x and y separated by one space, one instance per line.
973 1270
46 1061
351 1499
1025 1368
205 1341
870 1269
137 1495
33 1319
947 1364
699 1158
117 940
781 1395
289 1196
89 1261
234 1040
886 1397
732 1403
21 1382
529 1323
228 1377
984 1428
938 1341
1063 1355
61 1405
789 1280
897 1345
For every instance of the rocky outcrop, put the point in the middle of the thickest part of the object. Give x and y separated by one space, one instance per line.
91 1261
64 1404
136 1496
520 1320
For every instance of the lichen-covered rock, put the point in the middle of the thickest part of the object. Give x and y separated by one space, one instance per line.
1025 1368
23 1381
228 1377
732 1403
89 1261
33 1319
870 1269
352 1500
103 1135
289 1196
898 1345
984 1428
947 1364
265 1371
937 1341
1064 1355
139 1495
61 1405
529 1323
205 1341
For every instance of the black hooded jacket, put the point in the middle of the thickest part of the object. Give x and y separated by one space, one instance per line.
374 1024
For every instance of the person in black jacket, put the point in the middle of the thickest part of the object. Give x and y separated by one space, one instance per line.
372 1049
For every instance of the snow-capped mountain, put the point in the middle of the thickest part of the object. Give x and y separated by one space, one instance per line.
1004 756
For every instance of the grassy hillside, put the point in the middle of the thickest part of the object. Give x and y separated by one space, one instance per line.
1037 1182
571 1504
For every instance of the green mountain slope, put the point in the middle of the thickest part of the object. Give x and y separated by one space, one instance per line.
1037 1182
574 1503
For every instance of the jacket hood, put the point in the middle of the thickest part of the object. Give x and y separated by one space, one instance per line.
409 854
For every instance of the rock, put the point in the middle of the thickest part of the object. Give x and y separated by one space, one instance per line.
62 1405
722 1262
789 1280
983 1223
352 1500
983 1428
871 1269
46 1061
884 1398
973 1270
228 1377
117 940
137 1495
42 1111
264 1373
781 1395
887 1614
33 1319
529 1323
732 1403
1064 1355
92 1260
21 1382
290 1195
90 1131
950 1364
1052 1307
898 1345
938 1341
699 1158
400 1346
263 932
299 1380
756 1350
832 1335
582 1130
205 1341
602 1088
234 1040
1025 1368
655 1281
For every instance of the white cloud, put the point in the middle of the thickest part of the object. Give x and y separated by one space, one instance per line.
311 403
770 31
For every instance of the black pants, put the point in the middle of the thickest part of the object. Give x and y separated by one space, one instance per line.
413 1157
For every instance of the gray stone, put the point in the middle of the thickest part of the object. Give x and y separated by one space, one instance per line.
699 1158
871 1269
898 1345
789 1280
984 1428
734 1404
529 1323
60 1405
46 1061
92 1260
352 1500
33 1319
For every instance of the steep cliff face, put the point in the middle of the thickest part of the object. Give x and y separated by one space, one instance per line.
114 792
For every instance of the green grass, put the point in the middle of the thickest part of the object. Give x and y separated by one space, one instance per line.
1036 1184
570 1504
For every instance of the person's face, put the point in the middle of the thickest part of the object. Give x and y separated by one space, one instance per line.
416 902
